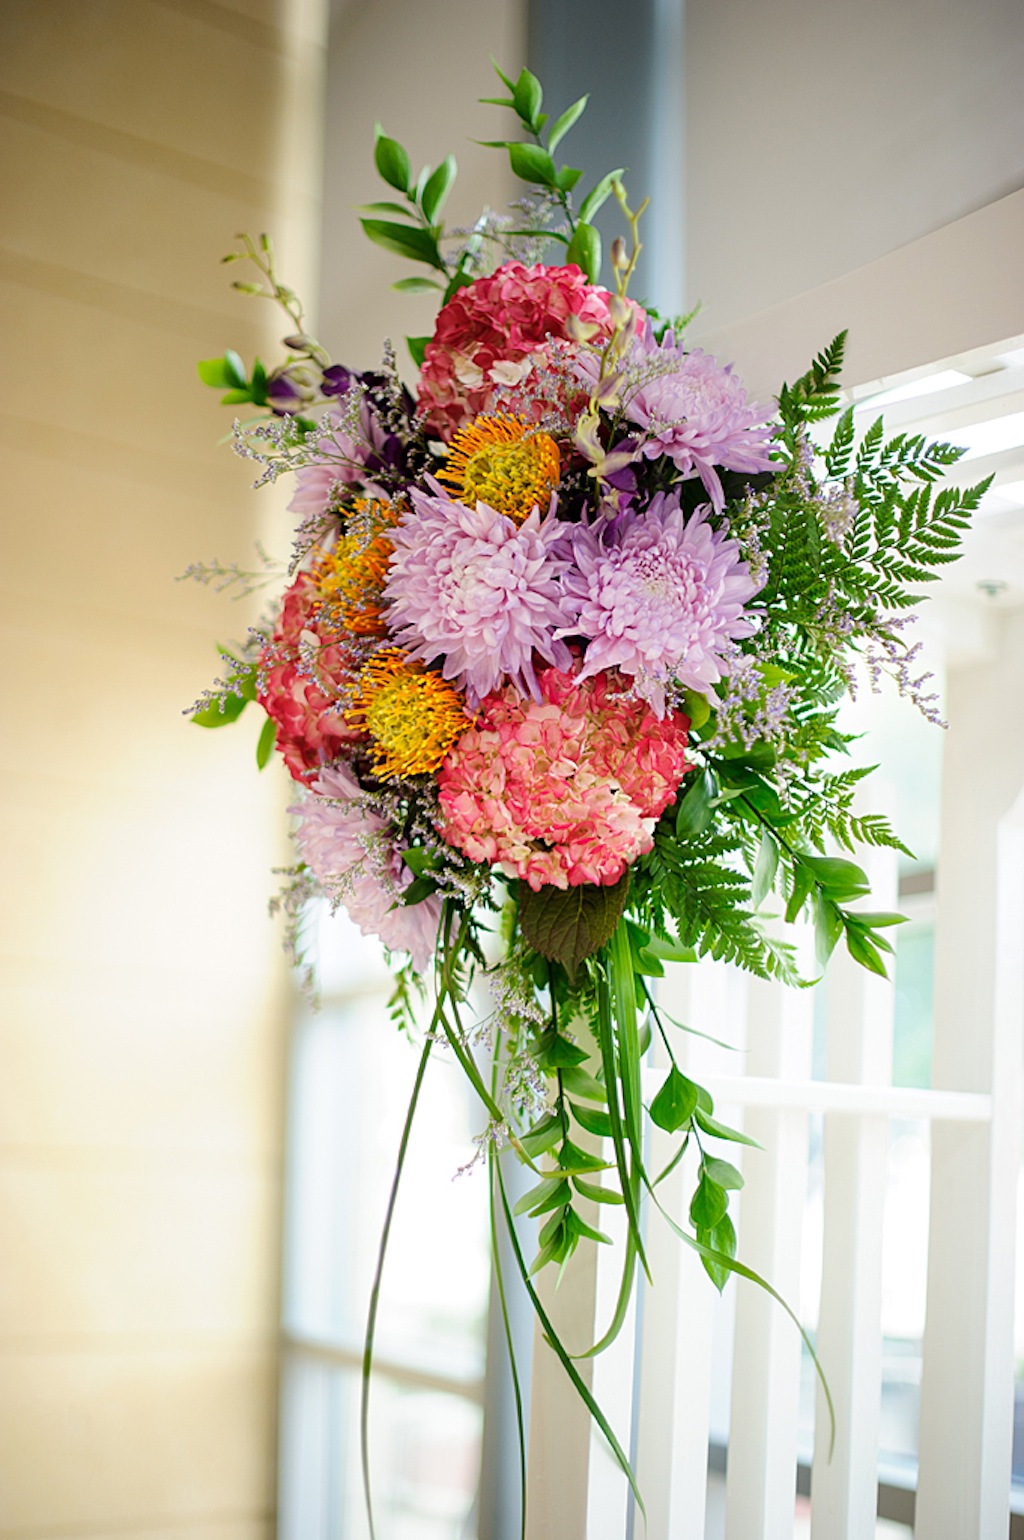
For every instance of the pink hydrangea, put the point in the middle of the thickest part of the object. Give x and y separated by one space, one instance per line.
565 790
493 334
310 731
660 597
355 860
470 586
695 412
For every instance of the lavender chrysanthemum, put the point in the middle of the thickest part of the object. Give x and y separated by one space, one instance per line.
660 597
469 586
695 412
353 855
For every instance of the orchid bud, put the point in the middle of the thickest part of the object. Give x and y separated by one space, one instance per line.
580 331
619 254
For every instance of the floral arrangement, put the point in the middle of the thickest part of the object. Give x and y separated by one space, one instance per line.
556 671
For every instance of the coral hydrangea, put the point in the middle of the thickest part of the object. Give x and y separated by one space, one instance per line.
468 586
565 790
494 333
694 411
301 675
660 597
351 853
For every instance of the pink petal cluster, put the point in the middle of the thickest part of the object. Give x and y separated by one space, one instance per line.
353 856
493 333
695 412
342 462
565 790
310 730
470 586
659 597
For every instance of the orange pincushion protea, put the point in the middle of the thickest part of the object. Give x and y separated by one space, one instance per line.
499 460
412 715
351 578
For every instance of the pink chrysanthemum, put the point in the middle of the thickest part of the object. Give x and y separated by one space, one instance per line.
342 462
493 334
564 790
469 586
659 597
302 674
354 858
695 412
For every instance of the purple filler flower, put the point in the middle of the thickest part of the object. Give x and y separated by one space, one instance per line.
354 858
695 412
468 586
659 598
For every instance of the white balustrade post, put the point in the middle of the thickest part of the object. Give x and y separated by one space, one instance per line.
844 1482
680 1309
967 1376
763 1422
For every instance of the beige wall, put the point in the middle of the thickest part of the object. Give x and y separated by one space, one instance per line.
142 1026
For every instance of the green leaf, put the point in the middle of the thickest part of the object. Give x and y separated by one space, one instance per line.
591 1118
437 188
416 286
840 879
570 924
803 882
876 919
562 125
828 927
580 1082
400 209
566 178
391 161
417 349
722 1239
696 810
553 1192
213 716
419 889
719 1130
405 241
419 860
531 163
265 743
708 1204
598 196
585 250
864 951
236 397
593 1191
224 373
576 1226
696 707
542 1136
527 96
572 1158
764 870
557 1052
675 1103
724 1173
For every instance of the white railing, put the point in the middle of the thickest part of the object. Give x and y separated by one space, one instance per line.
660 1380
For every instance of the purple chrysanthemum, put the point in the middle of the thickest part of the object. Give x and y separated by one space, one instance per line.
659 597
353 856
695 412
469 586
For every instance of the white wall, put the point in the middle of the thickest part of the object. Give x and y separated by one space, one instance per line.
823 135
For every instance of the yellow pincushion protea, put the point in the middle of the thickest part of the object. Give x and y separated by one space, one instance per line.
413 716
352 577
503 462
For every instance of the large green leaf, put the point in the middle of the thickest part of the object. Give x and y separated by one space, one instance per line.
404 240
570 924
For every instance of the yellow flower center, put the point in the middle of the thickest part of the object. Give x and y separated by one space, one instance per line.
352 576
413 716
504 463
